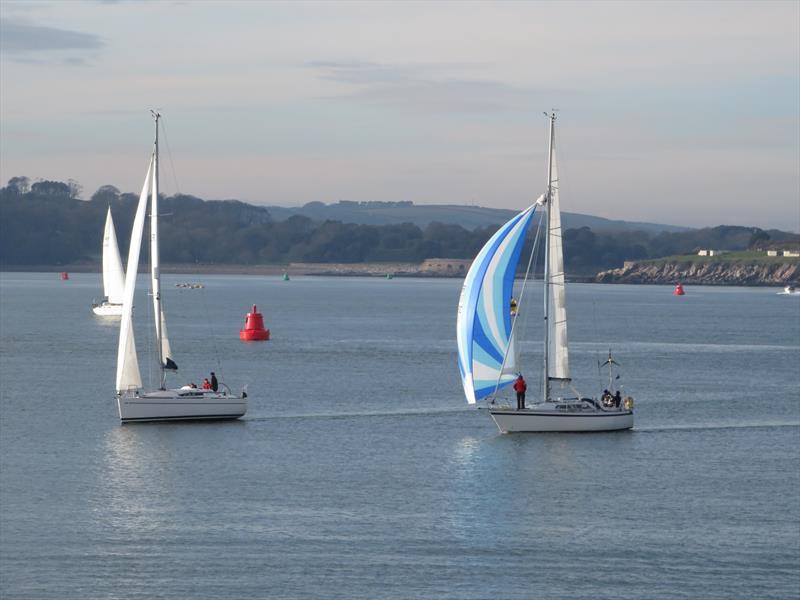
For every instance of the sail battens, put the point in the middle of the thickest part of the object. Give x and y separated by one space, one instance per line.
486 349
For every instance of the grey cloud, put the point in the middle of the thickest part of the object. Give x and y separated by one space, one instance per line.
21 38
364 72
422 88
74 61
447 96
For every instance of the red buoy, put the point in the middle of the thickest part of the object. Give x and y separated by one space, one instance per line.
64 276
254 327
679 290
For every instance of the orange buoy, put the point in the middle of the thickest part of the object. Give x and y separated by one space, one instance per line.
679 290
254 327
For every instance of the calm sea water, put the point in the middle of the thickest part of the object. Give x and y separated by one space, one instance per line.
359 471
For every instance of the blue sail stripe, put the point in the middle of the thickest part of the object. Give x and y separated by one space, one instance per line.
487 356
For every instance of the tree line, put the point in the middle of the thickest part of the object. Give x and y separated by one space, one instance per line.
45 223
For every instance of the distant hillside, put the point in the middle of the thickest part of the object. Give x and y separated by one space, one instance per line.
468 217
44 223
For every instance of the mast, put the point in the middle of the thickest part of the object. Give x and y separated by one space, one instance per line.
546 376
155 263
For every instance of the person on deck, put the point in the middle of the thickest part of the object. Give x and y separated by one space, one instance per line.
617 399
214 383
520 387
206 384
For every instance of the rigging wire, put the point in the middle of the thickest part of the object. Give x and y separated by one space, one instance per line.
169 155
597 337
519 305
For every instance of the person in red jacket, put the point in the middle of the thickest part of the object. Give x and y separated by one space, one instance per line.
206 384
520 387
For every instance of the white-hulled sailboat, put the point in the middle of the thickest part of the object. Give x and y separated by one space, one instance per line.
162 404
113 275
487 349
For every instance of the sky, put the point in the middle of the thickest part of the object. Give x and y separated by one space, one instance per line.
685 113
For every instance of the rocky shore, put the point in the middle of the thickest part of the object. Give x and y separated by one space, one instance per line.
704 273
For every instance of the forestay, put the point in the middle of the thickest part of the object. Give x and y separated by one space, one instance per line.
484 324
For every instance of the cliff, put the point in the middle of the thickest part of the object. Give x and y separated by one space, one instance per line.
705 273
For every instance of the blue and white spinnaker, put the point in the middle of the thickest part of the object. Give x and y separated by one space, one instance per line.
483 328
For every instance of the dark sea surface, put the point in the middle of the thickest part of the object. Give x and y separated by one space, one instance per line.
360 472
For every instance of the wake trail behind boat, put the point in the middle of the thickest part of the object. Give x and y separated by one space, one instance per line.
717 426
368 414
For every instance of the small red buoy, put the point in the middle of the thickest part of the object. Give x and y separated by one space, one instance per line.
679 290
64 276
254 327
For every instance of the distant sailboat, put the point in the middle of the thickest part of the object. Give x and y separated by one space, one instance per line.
113 275
487 314
162 404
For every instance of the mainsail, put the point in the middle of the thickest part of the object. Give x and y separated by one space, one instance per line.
113 275
165 352
558 354
483 328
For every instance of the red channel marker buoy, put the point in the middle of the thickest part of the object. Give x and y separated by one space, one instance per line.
64 276
254 327
679 291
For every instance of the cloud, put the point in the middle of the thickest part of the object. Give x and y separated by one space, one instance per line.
19 39
421 88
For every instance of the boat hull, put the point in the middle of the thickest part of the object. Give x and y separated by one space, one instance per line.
180 405
107 310
533 420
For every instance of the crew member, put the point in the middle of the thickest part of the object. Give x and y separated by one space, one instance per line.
214 383
520 387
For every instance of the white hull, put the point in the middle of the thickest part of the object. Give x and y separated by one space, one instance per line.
107 310
180 405
553 416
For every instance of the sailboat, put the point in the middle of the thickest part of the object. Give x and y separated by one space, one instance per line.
162 404
486 329
113 276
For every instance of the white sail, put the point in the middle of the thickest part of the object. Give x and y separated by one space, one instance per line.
113 275
128 375
558 352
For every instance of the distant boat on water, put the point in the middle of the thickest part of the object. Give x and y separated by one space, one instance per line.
789 290
113 275
486 330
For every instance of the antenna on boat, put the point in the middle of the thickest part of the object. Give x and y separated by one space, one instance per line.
610 362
